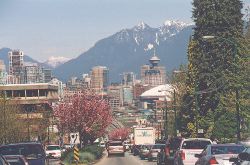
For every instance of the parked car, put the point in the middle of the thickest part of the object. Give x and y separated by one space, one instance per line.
185 155
218 154
166 156
3 161
243 158
136 150
115 147
53 151
153 153
144 151
16 160
33 152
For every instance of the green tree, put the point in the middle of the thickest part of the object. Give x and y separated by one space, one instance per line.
10 127
212 63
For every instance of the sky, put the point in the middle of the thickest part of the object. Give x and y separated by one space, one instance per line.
44 28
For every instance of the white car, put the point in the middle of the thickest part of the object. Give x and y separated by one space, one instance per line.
188 149
115 147
219 154
53 151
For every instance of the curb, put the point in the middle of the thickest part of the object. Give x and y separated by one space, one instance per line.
98 160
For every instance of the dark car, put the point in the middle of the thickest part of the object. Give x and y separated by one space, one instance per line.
33 152
3 161
136 149
16 159
166 156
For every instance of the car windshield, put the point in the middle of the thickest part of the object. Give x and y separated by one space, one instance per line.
30 151
53 148
216 150
247 150
195 144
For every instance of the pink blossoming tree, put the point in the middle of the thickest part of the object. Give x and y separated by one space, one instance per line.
86 113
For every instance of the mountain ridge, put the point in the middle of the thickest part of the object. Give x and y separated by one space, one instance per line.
128 49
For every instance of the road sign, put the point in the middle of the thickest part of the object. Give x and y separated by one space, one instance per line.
200 131
74 138
76 154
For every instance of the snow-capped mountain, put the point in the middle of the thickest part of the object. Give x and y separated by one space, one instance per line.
56 61
130 48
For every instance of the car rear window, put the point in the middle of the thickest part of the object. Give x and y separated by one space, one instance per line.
216 150
53 148
158 147
30 151
115 144
174 143
195 144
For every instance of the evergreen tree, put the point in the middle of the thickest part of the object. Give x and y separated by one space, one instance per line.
213 62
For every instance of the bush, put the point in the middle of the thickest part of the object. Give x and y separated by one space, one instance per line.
87 154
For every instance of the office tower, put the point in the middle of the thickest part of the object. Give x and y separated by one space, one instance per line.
3 73
16 64
99 78
128 78
153 75
47 75
33 73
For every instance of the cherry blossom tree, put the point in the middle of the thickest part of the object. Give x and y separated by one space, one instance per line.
86 113
119 134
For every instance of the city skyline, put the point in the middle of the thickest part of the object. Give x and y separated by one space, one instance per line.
48 28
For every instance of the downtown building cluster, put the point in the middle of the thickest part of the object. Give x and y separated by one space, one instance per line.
21 72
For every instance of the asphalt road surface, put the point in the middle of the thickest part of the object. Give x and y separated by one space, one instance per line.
129 159
54 162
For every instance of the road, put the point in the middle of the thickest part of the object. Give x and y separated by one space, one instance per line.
54 162
129 159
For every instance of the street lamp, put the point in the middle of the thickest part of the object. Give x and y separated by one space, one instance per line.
237 106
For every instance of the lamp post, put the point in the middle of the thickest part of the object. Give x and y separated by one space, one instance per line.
237 106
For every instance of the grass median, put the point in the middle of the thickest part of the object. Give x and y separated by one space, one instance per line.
87 155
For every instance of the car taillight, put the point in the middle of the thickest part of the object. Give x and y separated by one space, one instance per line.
213 161
182 155
167 151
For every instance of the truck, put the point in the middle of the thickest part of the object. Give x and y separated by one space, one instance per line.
144 135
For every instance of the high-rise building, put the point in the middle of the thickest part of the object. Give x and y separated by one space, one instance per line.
33 73
3 73
16 64
99 78
47 75
128 78
153 75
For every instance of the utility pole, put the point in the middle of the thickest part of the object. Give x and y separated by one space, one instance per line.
166 120
175 121
196 109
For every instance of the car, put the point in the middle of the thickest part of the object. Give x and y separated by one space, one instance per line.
144 151
136 150
102 144
185 155
53 151
218 154
16 160
153 152
127 145
115 147
32 151
166 156
243 158
3 161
